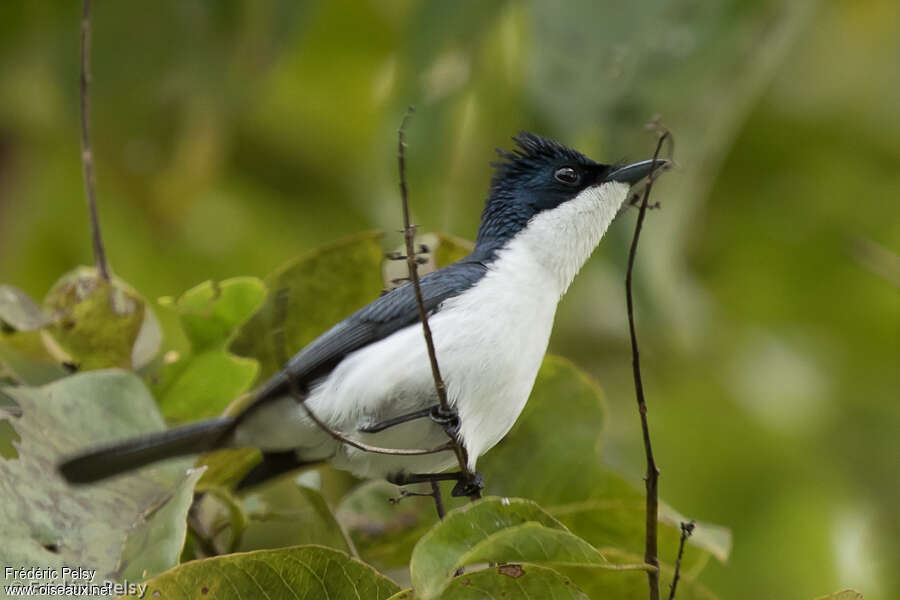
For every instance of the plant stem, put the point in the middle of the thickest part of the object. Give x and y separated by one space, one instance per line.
409 236
651 479
87 156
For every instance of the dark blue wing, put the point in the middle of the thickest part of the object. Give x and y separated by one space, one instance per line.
389 313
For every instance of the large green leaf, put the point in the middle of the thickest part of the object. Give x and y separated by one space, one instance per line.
531 461
535 543
529 582
290 573
620 523
310 294
630 584
534 461
155 542
47 522
437 555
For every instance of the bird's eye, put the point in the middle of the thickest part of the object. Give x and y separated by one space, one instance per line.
566 175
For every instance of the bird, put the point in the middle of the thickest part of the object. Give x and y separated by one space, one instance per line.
369 376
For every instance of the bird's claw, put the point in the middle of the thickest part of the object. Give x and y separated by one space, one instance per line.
448 420
467 486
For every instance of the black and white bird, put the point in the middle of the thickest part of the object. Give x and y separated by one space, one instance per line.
369 376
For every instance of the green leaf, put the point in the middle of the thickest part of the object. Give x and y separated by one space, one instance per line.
529 582
211 312
437 555
45 521
287 514
96 323
535 543
155 542
593 501
203 385
290 573
533 462
18 311
630 584
205 381
308 295
620 524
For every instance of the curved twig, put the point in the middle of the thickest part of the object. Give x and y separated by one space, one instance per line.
651 479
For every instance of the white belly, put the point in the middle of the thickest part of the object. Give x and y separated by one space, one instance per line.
488 360
490 341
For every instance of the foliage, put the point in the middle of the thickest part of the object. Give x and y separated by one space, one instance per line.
230 137
302 571
601 509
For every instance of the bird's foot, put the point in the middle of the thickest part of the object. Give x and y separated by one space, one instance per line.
448 420
468 484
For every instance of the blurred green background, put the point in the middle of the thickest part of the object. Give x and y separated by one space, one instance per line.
232 136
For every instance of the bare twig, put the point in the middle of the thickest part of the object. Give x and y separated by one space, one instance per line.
409 236
686 530
87 157
651 479
438 499
300 396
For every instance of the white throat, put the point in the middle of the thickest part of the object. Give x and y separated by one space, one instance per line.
560 240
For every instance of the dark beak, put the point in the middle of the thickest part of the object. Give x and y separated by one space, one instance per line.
633 173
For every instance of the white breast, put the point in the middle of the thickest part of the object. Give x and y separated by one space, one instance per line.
489 340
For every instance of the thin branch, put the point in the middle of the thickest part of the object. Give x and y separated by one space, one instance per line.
300 397
340 437
438 499
87 156
686 530
651 479
409 235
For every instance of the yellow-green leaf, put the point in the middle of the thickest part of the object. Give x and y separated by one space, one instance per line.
288 574
437 555
95 323
308 295
212 311
526 582
202 385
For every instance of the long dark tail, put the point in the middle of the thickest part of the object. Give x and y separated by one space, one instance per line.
124 456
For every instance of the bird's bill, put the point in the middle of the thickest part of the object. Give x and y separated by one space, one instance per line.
633 173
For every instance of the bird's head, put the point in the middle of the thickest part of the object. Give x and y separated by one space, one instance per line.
542 176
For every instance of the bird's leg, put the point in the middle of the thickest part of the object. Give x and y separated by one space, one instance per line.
465 485
382 425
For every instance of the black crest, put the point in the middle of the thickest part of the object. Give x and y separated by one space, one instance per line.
533 152
525 183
